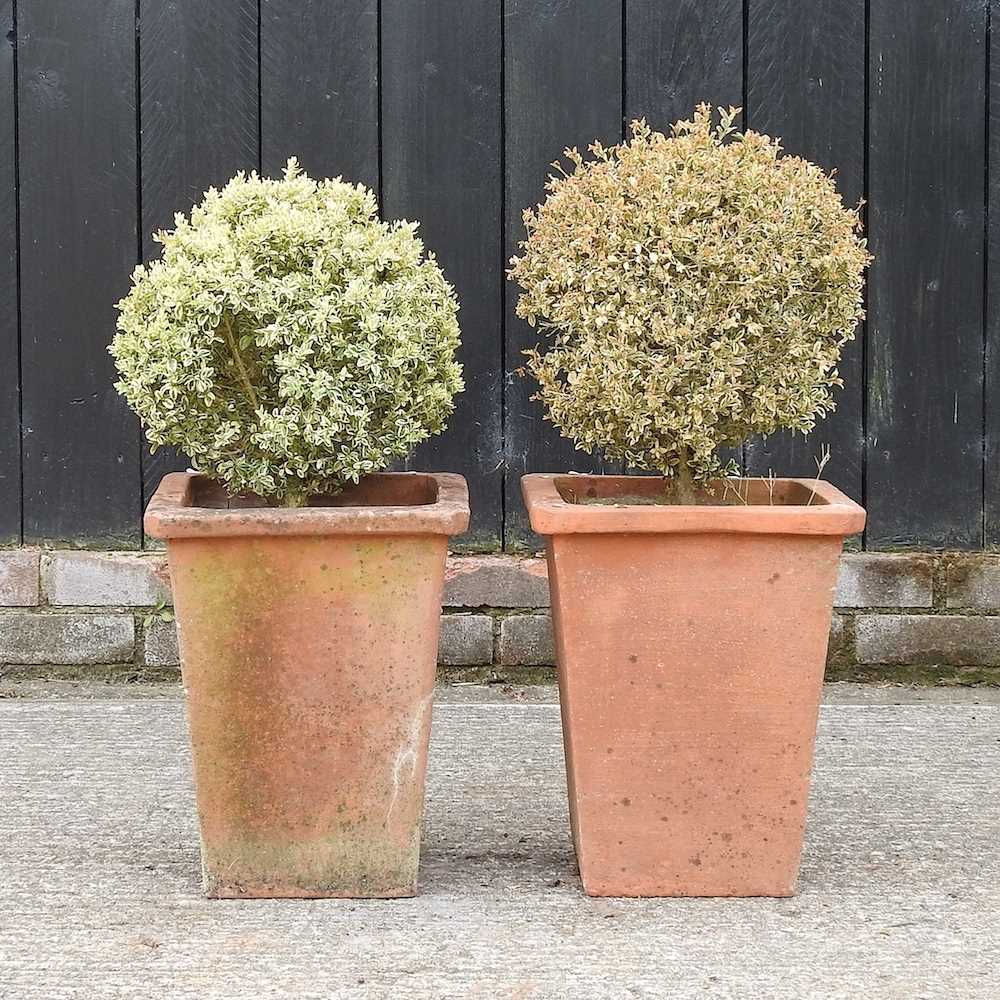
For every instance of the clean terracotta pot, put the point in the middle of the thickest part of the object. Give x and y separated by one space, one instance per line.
691 642
308 645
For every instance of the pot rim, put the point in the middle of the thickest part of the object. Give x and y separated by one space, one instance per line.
830 513
171 512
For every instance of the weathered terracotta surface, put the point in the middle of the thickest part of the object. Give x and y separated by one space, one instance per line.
309 644
691 642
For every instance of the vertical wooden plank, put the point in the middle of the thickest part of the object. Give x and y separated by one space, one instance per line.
679 54
441 164
991 478
77 153
926 223
806 84
563 87
198 120
319 87
10 429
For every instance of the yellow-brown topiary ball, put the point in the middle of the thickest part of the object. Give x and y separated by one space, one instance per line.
698 289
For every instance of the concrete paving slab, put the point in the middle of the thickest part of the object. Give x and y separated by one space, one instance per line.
99 891
502 692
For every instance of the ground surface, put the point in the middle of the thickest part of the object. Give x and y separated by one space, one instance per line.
99 892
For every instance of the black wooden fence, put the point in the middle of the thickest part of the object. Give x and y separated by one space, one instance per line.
115 113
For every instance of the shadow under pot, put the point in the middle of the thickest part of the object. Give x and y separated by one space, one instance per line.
691 643
308 643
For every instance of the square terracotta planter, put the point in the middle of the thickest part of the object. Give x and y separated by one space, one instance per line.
309 643
691 643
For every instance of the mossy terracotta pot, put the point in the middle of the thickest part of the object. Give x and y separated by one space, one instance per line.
308 644
691 642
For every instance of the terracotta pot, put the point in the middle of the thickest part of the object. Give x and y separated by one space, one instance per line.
309 643
691 642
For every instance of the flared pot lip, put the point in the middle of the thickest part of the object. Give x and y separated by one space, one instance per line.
830 511
172 511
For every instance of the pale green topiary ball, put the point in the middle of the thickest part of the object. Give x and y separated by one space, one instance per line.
288 341
697 289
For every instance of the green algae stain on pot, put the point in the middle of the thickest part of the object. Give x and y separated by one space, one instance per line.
310 667
363 862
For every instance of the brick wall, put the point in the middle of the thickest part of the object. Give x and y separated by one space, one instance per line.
900 616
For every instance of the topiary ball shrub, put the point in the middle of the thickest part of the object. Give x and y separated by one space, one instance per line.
287 340
697 289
